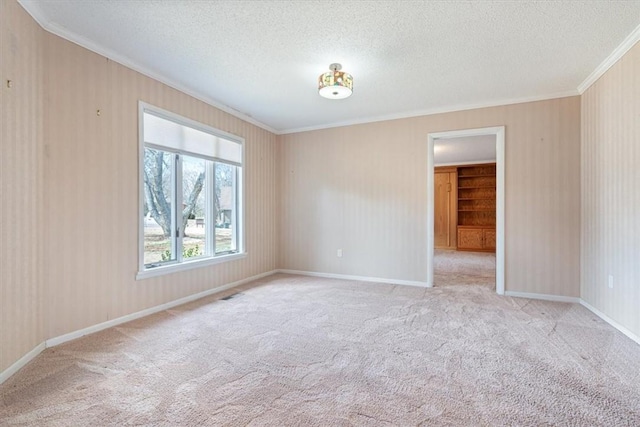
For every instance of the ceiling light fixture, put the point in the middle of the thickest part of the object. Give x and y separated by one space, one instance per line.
335 84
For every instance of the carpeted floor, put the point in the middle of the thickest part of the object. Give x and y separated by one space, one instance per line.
452 267
292 350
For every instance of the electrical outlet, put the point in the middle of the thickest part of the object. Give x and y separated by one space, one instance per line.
610 281
339 253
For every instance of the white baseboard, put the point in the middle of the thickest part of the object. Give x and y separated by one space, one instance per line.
544 297
4 375
51 342
610 321
360 278
580 301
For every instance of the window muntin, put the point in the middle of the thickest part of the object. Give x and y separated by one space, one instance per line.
188 165
195 197
226 212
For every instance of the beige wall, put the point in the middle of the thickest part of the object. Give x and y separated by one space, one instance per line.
20 183
363 189
611 192
69 190
91 191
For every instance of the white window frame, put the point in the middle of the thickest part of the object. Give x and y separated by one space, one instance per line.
238 229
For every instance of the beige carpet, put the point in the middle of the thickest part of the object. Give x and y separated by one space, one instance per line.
291 350
452 267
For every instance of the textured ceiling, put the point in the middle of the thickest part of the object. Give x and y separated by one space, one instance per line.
262 58
456 151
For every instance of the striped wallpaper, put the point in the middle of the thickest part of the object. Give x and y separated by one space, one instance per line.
21 60
91 191
363 189
611 192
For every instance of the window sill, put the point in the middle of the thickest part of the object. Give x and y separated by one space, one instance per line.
189 265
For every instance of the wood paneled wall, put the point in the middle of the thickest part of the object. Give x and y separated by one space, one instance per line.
611 192
445 207
91 191
21 133
363 189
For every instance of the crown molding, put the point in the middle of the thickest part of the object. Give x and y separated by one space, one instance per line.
418 113
617 53
33 9
36 13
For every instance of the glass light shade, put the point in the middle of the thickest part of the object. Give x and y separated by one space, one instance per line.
335 85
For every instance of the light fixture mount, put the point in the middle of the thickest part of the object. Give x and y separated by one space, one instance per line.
335 84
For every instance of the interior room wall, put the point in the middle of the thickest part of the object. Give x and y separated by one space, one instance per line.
91 191
20 183
362 189
610 192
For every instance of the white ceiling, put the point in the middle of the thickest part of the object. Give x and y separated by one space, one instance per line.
262 58
468 149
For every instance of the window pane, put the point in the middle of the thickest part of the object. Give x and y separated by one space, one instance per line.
159 214
225 205
191 179
194 207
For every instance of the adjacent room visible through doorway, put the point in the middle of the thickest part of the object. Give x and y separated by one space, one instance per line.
466 208
465 211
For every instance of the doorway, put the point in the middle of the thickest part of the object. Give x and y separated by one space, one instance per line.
499 133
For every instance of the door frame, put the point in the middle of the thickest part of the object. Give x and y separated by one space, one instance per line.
499 132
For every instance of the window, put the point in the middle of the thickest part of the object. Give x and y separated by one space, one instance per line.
191 193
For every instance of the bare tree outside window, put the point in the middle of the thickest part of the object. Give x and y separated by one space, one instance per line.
191 178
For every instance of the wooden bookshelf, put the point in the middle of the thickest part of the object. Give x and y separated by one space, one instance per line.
476 229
